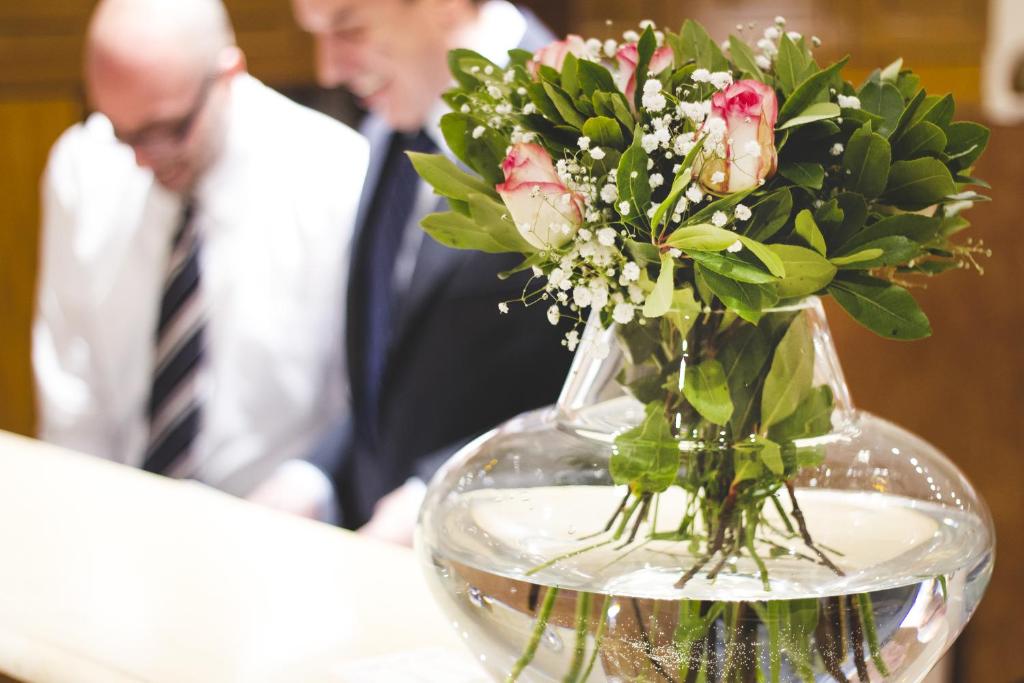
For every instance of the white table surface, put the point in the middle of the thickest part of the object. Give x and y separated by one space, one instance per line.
111 574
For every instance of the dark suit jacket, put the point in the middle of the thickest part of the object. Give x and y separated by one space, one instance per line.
456 366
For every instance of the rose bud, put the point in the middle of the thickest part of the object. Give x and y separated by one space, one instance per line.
545 211
628 58
739 152
553 55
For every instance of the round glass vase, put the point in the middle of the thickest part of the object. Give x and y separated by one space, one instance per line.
704 504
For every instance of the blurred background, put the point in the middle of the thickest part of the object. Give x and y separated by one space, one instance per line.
963 389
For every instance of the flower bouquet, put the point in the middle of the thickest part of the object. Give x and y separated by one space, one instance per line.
705 504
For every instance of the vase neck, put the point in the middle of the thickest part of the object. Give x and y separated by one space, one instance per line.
607 378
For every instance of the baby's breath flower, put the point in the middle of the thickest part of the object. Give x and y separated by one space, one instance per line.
478 132
583 142
763 62
836 149
624 208
606 236
742 212
719 219
610 48
694 194
721 79
609 193
553 314
734 247
581 296
657 180
572 339
848 101
503 307
622 313
597 154
717 177
631 271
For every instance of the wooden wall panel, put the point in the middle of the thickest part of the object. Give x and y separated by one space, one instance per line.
27 129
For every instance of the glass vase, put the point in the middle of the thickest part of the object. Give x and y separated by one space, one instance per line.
705 504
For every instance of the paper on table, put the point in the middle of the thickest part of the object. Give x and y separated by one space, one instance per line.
429 665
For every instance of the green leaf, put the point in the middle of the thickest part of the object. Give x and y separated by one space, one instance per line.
703 237
907 115
594 78
855 214
910 225
815 112
813 417
705 388
460 232
809 90
918 184
539 97
456 59
483 154
737 267
604 132
921 139
570 74
564 104
857 257
647 456
743 57
743 356
807 271
967 140
746 299
790 66
808 231
770 214
896 250
684 310
765 255
885 100
806 173
660 299
791 373
937 110
446 178
884 308
701 48
866 163
633 183
644 253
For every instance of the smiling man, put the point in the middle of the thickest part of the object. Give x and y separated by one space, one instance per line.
432 361
194 246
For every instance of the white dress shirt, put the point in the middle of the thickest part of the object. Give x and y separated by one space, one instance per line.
275 215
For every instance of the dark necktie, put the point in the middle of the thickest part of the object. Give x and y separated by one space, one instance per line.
174 406
380 240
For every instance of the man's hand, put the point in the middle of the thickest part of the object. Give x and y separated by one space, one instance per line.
394 516
299 488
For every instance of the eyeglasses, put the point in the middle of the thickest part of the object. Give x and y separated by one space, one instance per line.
166 134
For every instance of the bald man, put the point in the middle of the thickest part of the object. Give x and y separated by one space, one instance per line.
195 234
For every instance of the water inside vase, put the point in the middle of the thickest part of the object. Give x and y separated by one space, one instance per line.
914 572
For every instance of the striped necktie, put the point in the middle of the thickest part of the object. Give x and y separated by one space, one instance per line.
174 406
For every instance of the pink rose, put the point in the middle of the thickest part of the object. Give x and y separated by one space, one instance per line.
628 58
740 150
545 211
554 54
